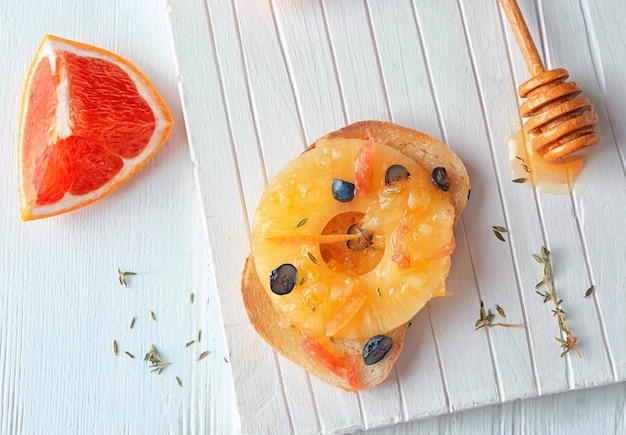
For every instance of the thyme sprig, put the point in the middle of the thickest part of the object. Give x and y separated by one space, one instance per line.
486 319
567 340
155 360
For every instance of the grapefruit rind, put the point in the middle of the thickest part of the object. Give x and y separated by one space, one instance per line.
163 126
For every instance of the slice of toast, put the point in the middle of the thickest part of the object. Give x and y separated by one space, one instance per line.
285 337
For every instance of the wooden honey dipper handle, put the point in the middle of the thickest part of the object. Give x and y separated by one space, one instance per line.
561 123
522 36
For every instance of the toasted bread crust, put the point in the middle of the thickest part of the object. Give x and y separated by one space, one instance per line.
427 151
284 337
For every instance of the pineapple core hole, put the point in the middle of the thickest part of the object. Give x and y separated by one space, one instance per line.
357 256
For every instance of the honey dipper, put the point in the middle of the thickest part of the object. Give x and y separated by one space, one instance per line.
561 123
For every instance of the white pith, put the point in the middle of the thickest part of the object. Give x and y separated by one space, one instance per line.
63 128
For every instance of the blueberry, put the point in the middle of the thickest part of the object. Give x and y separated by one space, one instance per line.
396 174
343 191
363 240
440 178
283 279
376 349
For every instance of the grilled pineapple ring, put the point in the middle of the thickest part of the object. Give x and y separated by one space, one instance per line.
352 238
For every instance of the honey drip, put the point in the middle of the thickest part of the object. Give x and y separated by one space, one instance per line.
548 177
560 122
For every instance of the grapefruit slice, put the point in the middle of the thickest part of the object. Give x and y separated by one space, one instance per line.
89 121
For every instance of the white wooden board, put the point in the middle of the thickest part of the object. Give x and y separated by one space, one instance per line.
261 79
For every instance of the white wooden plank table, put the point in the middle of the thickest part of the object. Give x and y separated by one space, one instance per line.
181 223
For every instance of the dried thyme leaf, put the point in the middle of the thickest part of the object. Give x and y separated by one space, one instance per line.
312 257
121 277
115 349
203 355
520 180
179 382
155 360
498 230
500 311
590 291
499 235
483 319
523 163
302 222
539 259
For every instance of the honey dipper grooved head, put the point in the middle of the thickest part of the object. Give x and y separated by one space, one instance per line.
560 123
